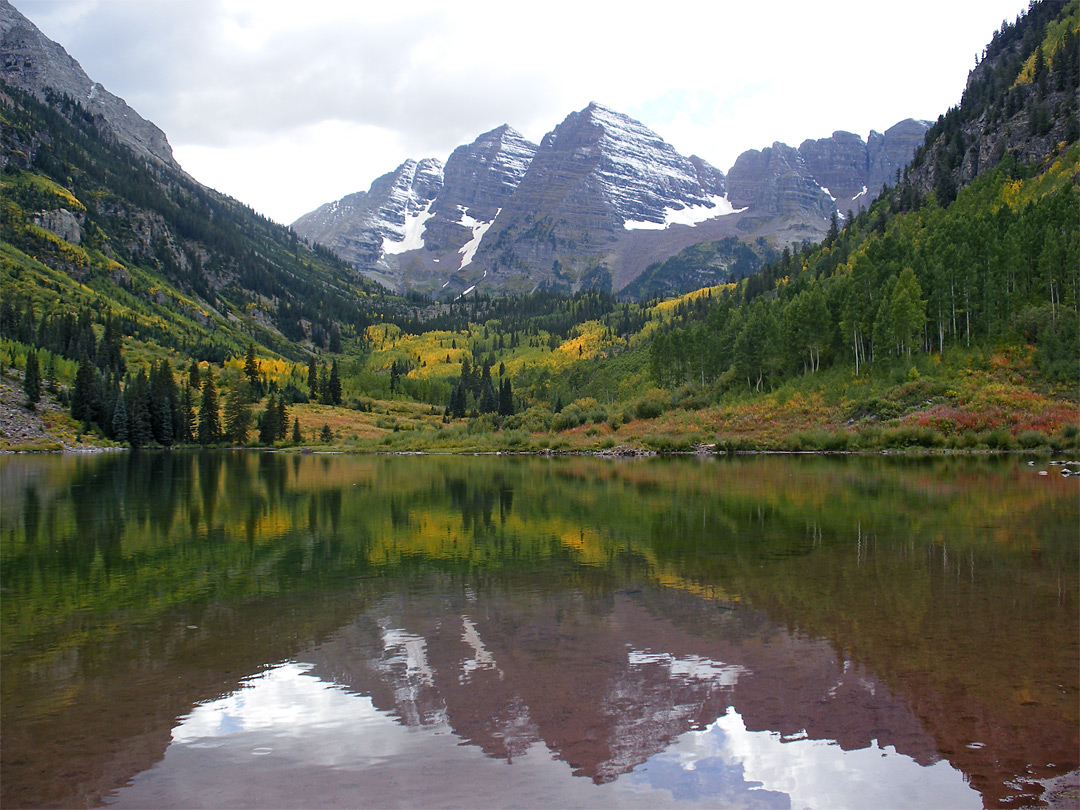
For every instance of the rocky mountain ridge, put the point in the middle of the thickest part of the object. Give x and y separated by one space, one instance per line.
1022 99
599 201
33 62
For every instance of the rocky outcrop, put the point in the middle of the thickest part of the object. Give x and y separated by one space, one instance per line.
63 223
890 153
839 166
31 61
1014 104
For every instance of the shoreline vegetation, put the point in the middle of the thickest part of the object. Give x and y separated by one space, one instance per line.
998 412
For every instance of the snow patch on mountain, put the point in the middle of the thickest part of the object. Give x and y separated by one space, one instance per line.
414 232
716 206
479 228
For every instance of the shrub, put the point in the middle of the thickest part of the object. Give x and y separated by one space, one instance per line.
1031 439
486 423
569 417
650 406
537 419
998 439
821 439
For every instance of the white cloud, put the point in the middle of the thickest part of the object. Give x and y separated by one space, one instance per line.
279 102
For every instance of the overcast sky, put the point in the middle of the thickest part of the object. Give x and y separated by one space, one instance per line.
287 105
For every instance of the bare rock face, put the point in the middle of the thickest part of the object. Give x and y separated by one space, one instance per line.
31 61
774 182
839 166
63 223
889 153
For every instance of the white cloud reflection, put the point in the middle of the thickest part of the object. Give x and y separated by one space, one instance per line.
290 720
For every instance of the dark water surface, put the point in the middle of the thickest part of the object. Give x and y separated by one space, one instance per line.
260 630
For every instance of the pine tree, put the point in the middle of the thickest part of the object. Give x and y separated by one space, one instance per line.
50 373
162 403
238 413
185 433
313 378
506 398
489 403
209 418
326 435
457 401
268 425
297 437
140 427
120 420
281 427
193 376
251 368
83 392
32 380
333 385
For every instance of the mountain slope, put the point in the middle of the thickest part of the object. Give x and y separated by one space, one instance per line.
104 223
32 61
1021 99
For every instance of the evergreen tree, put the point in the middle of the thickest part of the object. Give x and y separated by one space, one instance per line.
333 385
251 368
163 405
209 418
270 422
110 355
32 380
140 426
326 435
489 403
193 376
238 413
120 420
457 401
313 377
50 373
506 398
281 427
185 433
297 437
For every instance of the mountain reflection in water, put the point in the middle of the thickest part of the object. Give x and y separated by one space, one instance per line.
254 630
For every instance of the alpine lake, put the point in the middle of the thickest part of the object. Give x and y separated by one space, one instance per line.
256 629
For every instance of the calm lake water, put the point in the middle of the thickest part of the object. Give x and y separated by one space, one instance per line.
243 629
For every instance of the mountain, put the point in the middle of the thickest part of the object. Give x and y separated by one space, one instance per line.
601 186
98 215
602 203
33 62
386 219
423 221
